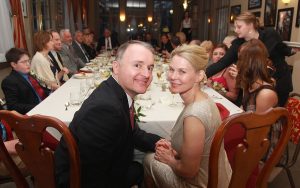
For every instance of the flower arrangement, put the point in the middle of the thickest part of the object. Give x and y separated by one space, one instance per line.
219 88
138 114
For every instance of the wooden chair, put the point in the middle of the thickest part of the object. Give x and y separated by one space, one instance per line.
255 145
38 158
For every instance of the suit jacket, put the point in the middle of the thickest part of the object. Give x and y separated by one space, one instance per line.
105 139
58 64
70 59
19 94
80 51
90 50
101 42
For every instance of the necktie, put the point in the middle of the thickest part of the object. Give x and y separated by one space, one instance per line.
107 43
38 89
131 112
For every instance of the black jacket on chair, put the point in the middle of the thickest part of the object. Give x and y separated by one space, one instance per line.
19 94
105 139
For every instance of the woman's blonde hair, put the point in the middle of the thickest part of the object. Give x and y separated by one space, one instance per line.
194 54
248 17
208 46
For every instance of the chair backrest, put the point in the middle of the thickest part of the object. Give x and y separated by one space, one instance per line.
255 145
38 158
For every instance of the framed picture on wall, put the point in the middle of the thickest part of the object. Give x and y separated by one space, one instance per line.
234 12
284 23
270 13
298 15
24 8
252 4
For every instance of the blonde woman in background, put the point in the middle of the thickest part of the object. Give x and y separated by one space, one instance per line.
183 161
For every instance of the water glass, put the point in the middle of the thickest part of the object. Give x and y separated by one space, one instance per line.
75 98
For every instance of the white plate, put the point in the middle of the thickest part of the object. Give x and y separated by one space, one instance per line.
292 44
82 75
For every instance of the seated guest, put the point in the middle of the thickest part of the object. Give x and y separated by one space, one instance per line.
78 48
223 82
107 41
54 56
183 161
67 53
22 91
182 37
88 45
165 44
150 40
9 143
41 66
258 87
175 42
195 42
104 126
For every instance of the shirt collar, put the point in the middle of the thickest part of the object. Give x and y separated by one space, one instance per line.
129 99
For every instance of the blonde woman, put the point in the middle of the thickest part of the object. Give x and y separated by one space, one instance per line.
183 161
41 66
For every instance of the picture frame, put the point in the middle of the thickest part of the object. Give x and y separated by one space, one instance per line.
270 13
298 15
234 12
284 23
253 4
24 8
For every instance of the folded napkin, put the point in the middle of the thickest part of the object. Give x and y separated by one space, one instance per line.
224 113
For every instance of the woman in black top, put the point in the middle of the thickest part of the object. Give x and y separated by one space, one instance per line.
247 28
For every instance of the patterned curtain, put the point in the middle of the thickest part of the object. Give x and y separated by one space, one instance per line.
18 24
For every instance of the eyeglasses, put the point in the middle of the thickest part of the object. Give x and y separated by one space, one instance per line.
27 61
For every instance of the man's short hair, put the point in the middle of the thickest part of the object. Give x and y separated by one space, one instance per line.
125 45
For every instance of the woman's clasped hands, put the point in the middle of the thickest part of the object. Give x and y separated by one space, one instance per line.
164 152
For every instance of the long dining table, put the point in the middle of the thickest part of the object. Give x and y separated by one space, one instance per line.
160 107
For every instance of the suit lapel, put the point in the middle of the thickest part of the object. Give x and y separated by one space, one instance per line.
122 97
22 80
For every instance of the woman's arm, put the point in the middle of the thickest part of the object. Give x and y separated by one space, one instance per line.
266 99
230 57
187 163
232 92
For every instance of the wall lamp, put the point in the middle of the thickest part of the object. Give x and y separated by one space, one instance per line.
286 2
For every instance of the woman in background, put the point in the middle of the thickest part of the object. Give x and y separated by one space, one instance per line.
41 66
247 28
186 26
259 93
183 161
223 78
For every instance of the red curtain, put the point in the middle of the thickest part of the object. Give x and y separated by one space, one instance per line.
84 12
19 31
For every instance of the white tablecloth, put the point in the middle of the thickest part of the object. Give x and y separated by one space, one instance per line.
159 119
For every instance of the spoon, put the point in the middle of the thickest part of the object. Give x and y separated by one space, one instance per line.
67 104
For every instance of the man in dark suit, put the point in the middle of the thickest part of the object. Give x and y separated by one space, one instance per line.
22 91
78 48
104 127
107 41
